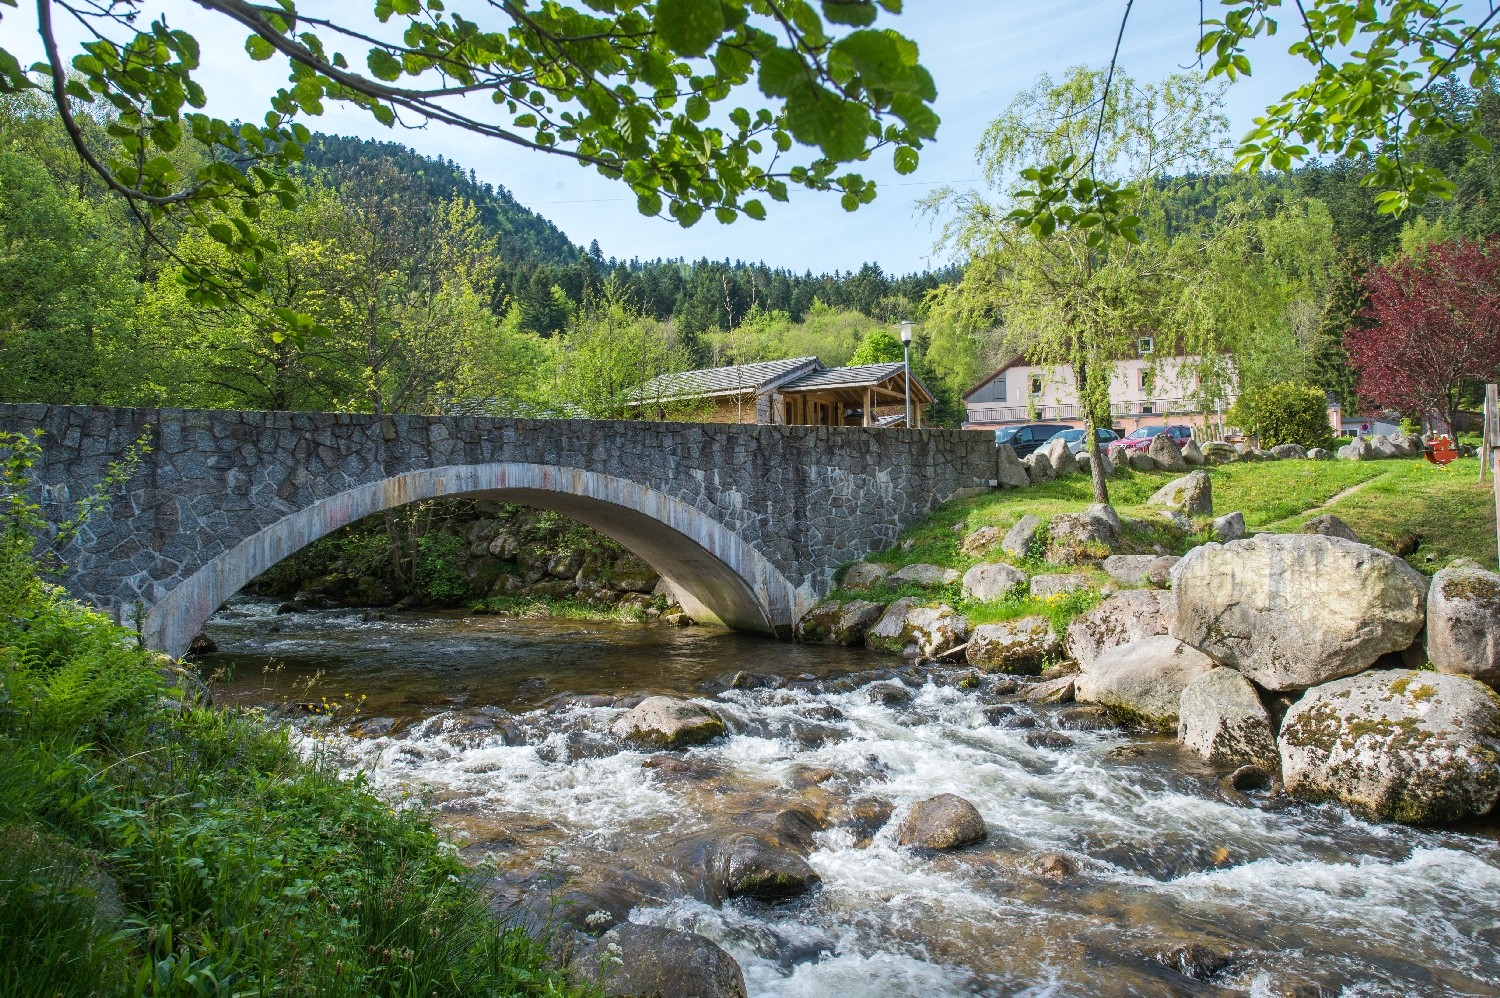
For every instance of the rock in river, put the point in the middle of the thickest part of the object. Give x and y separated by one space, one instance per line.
1121 619
1295 610
654 962
1396 744
663 722
835 623
1143 681
1022 646
748 865
1220 717
1463 623
946 821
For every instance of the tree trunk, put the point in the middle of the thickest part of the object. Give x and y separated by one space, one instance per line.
1091 429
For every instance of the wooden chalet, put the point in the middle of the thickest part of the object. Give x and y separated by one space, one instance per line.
796 392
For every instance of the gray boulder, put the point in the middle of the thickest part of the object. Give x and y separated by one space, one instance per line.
1019 538
991 580
1320 454
1397 744
1192 494
1285 452
1357 450
1019 646
1076 538
1329 525
1011 473
1104 511
1039 469
1221 718
980 542
746 864
1407 444
1128 569
1295 610
1381 447
1043 586
1059 690
1463 623
1123 618
1229 527
925 575
946 821
1060 457
1086 467
1192 454
1159 573
864 574
1165 452
653 962
1220 452
927 631
667 723
1142 681
835 623
1141 461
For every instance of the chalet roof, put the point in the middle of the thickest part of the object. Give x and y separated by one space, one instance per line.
864 376
738 379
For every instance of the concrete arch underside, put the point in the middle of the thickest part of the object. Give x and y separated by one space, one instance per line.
716 575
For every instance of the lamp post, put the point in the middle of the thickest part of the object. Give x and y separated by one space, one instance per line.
906 362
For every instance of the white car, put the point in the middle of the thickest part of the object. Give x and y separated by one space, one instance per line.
1078 439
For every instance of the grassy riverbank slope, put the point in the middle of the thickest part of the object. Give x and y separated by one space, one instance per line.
153 845
1428 515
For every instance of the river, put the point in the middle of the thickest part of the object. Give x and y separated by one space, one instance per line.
1115 864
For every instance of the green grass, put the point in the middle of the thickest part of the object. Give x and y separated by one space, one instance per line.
153 845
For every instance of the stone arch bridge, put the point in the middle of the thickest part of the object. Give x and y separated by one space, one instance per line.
748 523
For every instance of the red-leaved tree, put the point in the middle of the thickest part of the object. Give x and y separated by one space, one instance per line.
1434 327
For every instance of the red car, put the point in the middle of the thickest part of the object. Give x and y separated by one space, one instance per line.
1141 439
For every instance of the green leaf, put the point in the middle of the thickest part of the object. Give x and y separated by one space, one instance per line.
906 160
755 210
384 65
726 216
860 13
782 74
689 27
260 50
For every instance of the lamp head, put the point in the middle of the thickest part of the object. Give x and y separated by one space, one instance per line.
906 332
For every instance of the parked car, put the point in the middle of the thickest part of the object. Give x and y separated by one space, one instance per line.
1141 439
1078 439
1028 437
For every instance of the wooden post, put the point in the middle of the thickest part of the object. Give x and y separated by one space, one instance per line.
1491 455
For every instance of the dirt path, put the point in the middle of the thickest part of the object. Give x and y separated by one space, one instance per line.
1331 501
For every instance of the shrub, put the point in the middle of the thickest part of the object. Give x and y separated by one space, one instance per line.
1286 413
437 569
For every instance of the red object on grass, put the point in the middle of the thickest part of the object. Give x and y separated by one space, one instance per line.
1441 451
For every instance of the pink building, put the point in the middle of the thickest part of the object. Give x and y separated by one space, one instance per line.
1145 391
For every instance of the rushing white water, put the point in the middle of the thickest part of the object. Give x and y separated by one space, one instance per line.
1173 886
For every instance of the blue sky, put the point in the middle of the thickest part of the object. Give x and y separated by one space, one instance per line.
981 53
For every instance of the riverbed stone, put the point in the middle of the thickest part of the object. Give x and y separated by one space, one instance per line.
1123 618
1011 472
946 821
665 722
749 865
864 574
1396 745
1165 452
1039 468
1220 717
1060 457
1059 690
1229 527
1191 494
991 580
1329 525
1019 538
1463 623
925 575
926 631
1143 681
1295 610
1058 584
655 962
835 623
1018 646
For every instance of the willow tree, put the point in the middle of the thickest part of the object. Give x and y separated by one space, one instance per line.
1076 296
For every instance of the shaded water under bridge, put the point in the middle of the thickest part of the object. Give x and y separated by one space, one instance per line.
747 523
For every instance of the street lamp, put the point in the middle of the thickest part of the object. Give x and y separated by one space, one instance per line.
906 362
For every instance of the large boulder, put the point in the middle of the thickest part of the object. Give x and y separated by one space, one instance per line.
1320 454
1020 538
863 575
991 580
1289 452
1220 452
1140 460
1220 717
1295 610
928 631
1011 473
835 623
1020 646
1463 623
1229 527
1086 466
1123 618
1128 569
1397 744
1329 525
1043 586
1076 538
1039 469
925 575
667 723
1060 457
648 961
1191 494
1407 444
1382 448
1192 455
746 864
978 543
1356 450
1165 452
946 821
1142 681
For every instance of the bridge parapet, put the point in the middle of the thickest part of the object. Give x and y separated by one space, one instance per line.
749 523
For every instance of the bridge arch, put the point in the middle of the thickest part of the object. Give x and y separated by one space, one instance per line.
716 575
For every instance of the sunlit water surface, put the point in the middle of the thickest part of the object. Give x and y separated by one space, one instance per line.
1179 886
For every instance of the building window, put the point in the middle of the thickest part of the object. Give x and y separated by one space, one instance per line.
1147 382
1036 384
1000 388
1147 345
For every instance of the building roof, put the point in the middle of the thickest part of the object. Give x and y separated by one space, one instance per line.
864 376
738 379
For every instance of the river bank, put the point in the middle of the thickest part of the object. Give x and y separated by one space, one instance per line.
1115 862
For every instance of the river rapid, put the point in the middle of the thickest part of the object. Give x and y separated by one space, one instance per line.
1115 863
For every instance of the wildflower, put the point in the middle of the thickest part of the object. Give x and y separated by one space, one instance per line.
597 919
